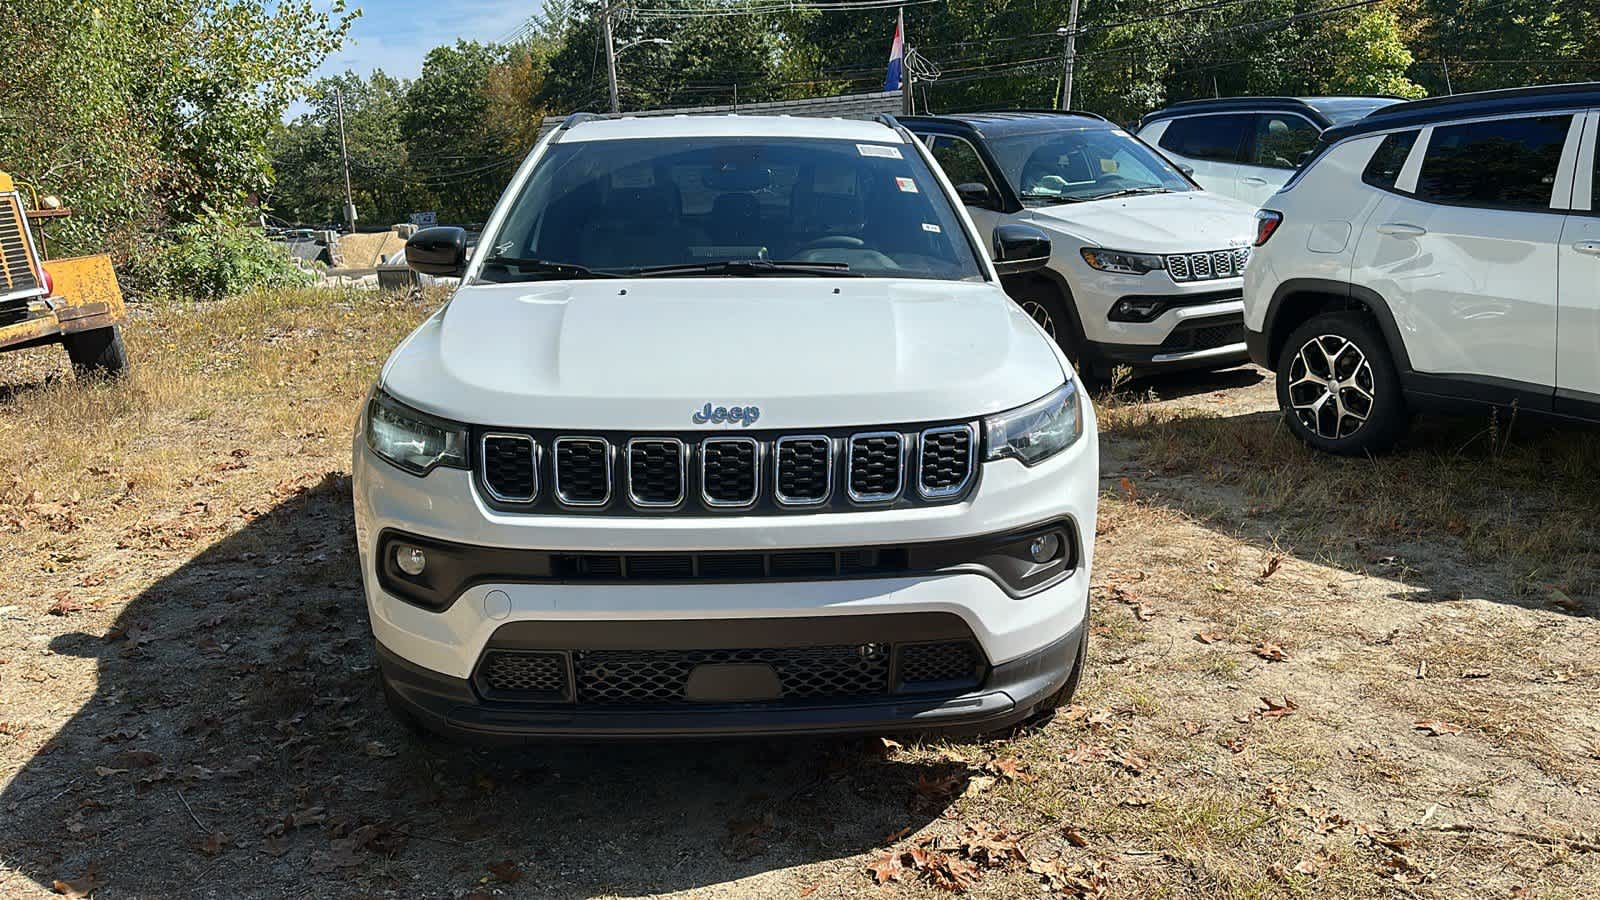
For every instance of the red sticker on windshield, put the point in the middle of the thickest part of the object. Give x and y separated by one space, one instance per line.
906 185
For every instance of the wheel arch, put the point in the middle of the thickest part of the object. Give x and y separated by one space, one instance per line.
1049 279
1297 300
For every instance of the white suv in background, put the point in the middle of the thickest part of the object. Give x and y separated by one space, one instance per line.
1145 268
1247 147
729 429
1438 252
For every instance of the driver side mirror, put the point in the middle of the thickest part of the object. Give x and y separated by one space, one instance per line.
1187 170
1020 248
440 250
975 193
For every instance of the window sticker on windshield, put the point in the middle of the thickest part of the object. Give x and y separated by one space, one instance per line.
906 185
878 150
932 228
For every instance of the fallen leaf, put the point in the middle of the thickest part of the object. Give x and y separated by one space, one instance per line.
1437 727
1276 710
1270 568
64 605
1074 837
1011 770
886 868
77 888
1129 490
1210 635
1271 652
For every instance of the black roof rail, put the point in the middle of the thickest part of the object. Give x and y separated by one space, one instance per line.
1505 94
1046 112
1510 101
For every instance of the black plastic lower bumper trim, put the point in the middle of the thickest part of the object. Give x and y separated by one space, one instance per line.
1014 691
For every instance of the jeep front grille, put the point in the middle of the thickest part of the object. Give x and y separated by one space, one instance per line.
527 471
17 264
1208 266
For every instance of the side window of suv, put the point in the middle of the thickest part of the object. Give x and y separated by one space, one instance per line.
1281 140
1500 164
961 162
1214 138
1383 169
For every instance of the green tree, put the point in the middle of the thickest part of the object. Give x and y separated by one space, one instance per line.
458 161
309 175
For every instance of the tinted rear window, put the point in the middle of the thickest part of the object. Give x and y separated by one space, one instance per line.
1214 138
1502 164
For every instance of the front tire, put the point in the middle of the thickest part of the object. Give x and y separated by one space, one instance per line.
1045 306
97 352
1338 386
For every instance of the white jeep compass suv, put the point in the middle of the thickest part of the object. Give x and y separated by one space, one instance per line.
1145 268
1443 252
729 429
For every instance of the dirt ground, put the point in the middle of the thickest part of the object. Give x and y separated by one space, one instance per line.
1307 676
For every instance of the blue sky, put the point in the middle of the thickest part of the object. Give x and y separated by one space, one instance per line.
394 35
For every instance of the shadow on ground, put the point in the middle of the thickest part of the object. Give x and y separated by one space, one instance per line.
238 743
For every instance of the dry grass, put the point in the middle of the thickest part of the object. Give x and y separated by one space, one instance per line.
177 579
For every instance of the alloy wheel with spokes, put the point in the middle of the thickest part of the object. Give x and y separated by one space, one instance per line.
1331 389
1041 314
1338 385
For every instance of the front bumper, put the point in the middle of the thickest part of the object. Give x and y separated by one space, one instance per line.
1009 694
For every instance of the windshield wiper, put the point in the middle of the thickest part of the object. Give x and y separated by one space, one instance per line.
1129 192
751 268
1051 198
544 266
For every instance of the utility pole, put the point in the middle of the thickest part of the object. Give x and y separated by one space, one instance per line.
344 151
1069 53
611 55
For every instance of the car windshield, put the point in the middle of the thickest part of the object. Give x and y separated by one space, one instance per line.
722 206
1063 166
1340 110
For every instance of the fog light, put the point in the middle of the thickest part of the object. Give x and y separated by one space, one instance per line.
411 560
1044 548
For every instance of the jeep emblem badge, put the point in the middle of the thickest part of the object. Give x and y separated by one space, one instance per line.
718 415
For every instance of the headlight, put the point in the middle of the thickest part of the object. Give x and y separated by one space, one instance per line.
412 440
1039 430
1122 262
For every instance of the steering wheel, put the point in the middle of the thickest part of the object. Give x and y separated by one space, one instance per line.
835 242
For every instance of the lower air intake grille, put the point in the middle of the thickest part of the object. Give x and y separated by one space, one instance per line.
940 664
729 471
1203 337
508 467
945 461
583 471
521 675
875 466
656 677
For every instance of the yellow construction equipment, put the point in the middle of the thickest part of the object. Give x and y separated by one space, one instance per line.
74 301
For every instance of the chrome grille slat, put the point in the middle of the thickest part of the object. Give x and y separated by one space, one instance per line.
510 467
945 460
730 471
1209 265
583 471
658 471
876 469
802 469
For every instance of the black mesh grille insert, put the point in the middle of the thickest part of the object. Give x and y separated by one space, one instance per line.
728 471
803 469
583 471
655 472
524 675
875 466
940 663
508 467
1204 337
945 462
656 677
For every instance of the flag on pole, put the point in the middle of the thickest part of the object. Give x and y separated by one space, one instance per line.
897 55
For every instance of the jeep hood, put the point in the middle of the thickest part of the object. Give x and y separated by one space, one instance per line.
645 354
1153 223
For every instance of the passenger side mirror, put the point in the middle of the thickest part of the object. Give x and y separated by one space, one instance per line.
1187 170
1020 248
440 250
974 193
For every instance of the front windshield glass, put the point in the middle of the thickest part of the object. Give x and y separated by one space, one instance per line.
1063 166
730 206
